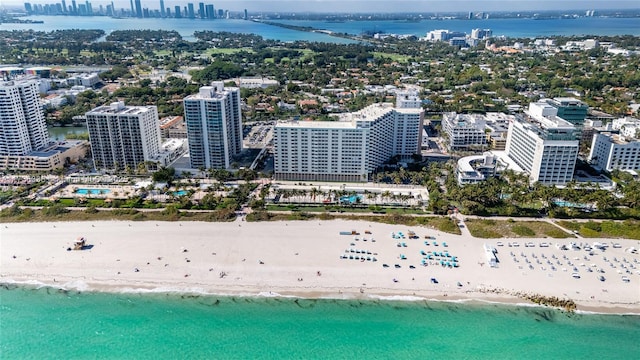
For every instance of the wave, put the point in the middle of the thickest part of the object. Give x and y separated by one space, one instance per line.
195 292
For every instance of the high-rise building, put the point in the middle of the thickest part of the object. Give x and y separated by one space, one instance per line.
547 149
133 9
177 12
64 6
214 126
28 8
123 136
201 12
348 149
22 123
162 11
138 8
191 13
210 11
246 15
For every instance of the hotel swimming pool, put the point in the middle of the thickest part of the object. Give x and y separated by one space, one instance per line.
93 191
180 193
352 199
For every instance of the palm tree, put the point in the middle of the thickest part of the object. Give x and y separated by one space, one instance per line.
386 195
314 192
605 200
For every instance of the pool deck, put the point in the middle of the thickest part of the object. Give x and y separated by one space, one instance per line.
114 192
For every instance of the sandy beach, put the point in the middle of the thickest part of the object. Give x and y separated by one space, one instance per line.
311 259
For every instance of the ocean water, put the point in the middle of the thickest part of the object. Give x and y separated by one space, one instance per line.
49 323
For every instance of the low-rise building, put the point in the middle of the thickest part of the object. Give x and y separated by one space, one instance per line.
86 80
628 126
169 152
465 131
478 168
54 101
497 127
255 82
173 127
55 156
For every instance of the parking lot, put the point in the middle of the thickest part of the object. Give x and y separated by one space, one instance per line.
258 135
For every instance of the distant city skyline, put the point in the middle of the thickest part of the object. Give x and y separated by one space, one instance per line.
369 6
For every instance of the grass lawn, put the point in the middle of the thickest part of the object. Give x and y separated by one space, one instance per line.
628 229
488 228
215 51
332 209
441 223
29 215
394 57
306 53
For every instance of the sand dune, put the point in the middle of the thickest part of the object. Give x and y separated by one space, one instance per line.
304 259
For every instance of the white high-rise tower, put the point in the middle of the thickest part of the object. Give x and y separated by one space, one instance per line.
22 123
123 136
214 126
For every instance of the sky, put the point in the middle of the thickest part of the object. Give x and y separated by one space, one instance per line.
373 5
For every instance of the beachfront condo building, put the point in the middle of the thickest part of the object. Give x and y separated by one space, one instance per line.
612 151
23 128
350 148
546 148
123 136
214 126
464 131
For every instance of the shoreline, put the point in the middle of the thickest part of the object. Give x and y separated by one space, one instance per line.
291 260
10 284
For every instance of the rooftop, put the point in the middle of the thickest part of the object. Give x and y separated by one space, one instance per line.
349 120
618 139
120 109
567 101
216 91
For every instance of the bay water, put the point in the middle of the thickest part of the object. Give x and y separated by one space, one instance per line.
500 27
39 323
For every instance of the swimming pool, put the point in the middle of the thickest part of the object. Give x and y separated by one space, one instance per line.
92 191
563 203
180 193
350 199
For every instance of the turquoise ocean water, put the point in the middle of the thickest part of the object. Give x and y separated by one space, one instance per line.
48 323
